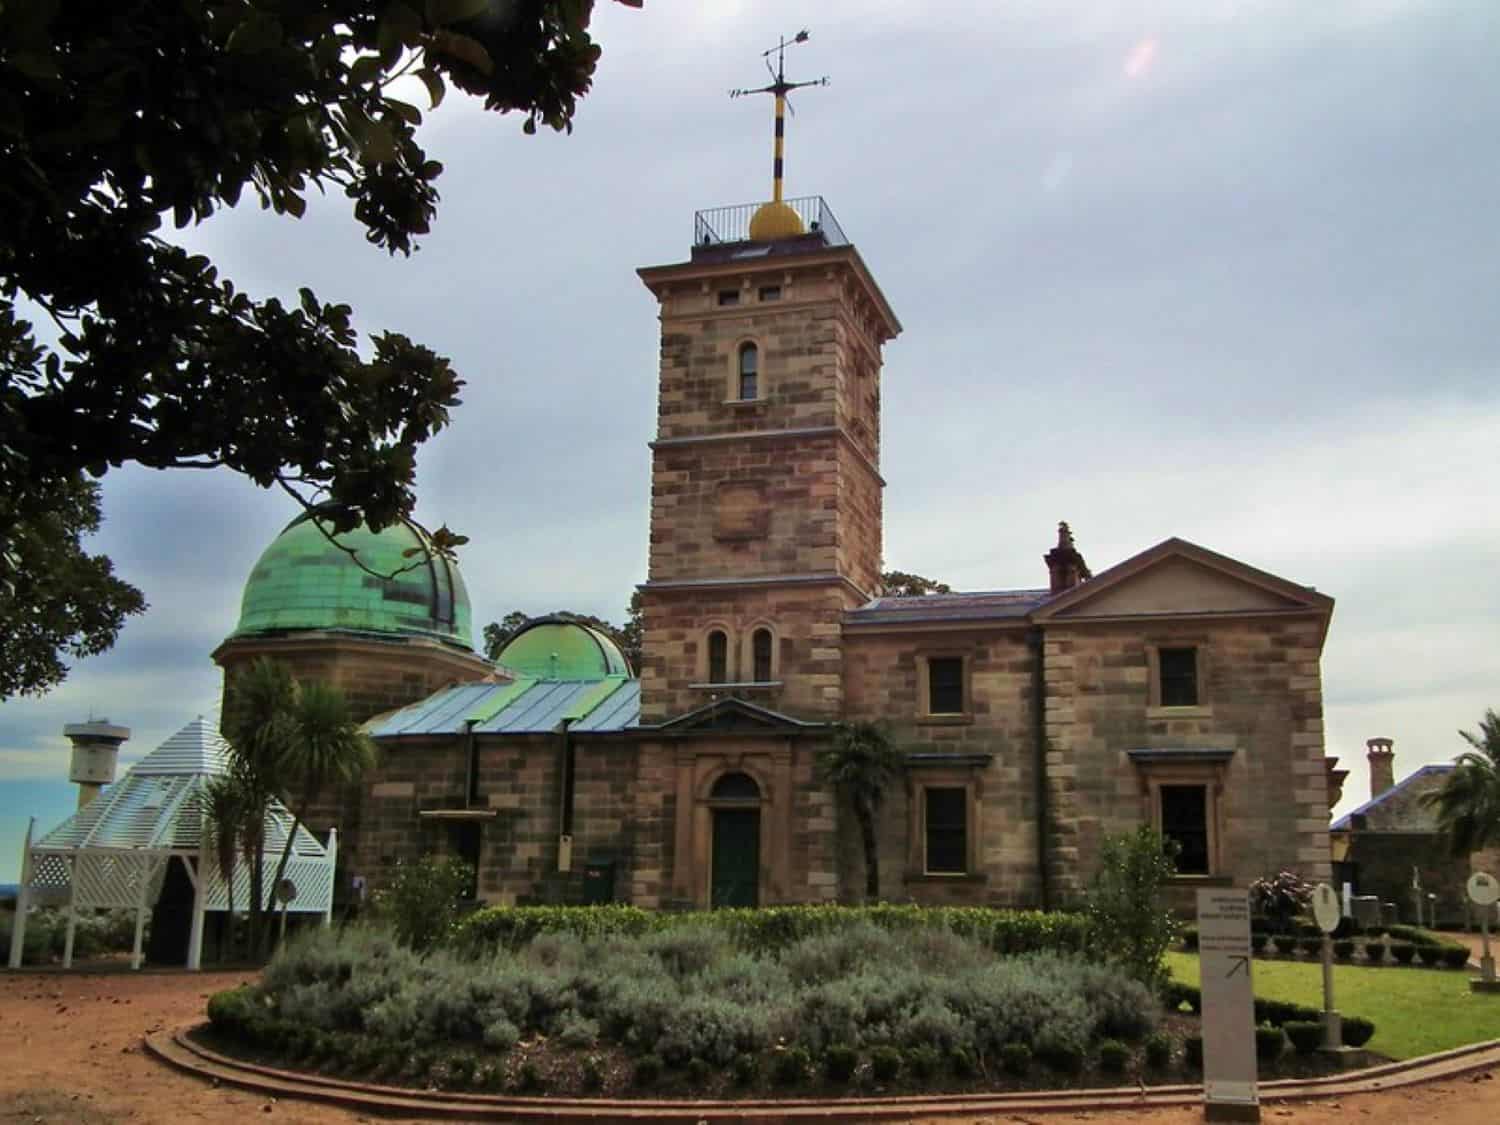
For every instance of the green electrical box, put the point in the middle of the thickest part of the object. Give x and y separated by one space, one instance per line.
599 881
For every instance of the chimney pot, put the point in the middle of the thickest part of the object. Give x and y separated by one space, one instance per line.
1065 565
1381 754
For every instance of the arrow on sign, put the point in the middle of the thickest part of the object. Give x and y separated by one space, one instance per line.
1239 963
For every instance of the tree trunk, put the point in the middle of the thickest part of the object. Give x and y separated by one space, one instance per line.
286 855
257 892
864 812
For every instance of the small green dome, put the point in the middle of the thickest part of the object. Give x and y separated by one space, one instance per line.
554 648
303 581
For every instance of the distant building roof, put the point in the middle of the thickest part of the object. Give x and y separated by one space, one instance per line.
985 605
556 648
1346 822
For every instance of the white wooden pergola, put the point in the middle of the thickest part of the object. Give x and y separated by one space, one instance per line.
115 851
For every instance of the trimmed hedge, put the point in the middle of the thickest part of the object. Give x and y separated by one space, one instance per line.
772 929
1306 1035
1357 1031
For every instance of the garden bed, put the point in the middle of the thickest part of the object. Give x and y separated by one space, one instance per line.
857 1009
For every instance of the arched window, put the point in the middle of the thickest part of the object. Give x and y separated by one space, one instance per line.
760 655
735 787
718 657
749 370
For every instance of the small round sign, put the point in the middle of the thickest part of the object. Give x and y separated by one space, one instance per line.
1484 888
1326 908
286 891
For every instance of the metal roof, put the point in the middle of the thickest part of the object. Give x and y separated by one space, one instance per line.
1346 821
556 648
983 605
155 806
526 706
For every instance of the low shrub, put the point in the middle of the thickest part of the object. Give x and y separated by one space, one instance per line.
1456 956
1357 1031
1286 944
1015 1058
1114 1056
592 1075
885 1064
962 1063
698 1072
1065 1056
1403 951
839 1063
1258 939
1312 946
1432 954
1192 1051
1190 938
647 1071
1416 935
1343 949
1269 1042
530 1079
1306 1035
791 1066
1375 952
745 1070
923 1063
1158 1051
421 901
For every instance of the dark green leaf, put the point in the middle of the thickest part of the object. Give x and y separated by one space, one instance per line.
434 83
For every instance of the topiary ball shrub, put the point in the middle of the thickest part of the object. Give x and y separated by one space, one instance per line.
1190 938
1306 1035
885 1063
1286 944
1403 951
1456 956
961 1062
1015 1058
530 1079
1343 949
1431 954
1062 1055
1357 1031
1158 1050
1258 939
791 1066
1269 1042
923 1063
1312 946
745 1070
839 1063
1114 1056
1192 1051
1375 952
647 1071
698 1072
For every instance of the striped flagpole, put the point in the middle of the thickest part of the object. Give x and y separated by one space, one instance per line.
776 169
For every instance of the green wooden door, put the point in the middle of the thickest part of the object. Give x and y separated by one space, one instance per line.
736 858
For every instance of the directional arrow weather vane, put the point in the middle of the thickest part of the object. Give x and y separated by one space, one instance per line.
781 88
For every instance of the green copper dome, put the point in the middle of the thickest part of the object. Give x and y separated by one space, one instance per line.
553 648
303 581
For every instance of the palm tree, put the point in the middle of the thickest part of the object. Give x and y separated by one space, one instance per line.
1468 804
324 746
861 763
228 817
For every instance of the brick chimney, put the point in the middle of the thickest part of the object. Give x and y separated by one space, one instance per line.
1381 755
1064 563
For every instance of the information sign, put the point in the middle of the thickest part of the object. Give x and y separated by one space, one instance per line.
1229 1092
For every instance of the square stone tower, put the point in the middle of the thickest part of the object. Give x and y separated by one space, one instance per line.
766 486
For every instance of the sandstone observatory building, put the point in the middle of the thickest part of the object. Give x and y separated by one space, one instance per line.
1179 687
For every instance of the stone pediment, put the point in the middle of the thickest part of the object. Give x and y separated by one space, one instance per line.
1177 578
733 716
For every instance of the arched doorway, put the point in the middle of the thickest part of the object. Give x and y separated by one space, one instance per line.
734 873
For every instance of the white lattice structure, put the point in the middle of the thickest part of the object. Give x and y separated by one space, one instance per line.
114 851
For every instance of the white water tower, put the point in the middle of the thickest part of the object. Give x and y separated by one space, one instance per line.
96 746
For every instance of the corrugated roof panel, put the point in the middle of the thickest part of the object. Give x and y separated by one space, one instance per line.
619 712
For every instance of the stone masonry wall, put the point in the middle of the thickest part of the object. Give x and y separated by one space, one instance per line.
1262 698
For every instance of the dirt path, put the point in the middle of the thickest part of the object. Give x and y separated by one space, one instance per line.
70 1055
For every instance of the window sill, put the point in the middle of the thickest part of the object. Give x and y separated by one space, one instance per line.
941 877
751 685
1200 881
1198 712
957 720
744 402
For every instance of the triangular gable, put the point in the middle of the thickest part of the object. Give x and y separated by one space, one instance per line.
733 716
1180 578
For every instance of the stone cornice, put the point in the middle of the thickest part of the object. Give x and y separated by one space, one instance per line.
795 434
819 578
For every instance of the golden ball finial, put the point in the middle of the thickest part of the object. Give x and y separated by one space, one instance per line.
775 220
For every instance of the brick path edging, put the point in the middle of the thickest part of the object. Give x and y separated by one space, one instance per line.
180 1051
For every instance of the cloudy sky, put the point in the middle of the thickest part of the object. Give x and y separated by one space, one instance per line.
1221 269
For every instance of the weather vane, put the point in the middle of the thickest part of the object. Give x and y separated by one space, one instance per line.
781 88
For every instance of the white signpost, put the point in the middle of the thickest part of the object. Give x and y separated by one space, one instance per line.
1229 1092
1484 892
1328 915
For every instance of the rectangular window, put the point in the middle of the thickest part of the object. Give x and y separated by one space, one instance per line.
770 292
1178 675
945 685
728 297
947 823
1184 818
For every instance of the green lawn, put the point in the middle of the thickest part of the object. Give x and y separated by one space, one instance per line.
1416 1011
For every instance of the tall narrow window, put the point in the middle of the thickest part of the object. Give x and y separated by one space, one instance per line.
760 644
1184 819
947 830
718 657
945 685
1178 676
749 371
